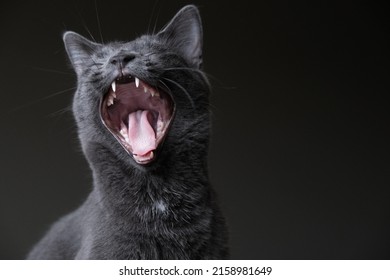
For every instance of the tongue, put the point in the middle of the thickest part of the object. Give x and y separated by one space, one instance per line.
141 134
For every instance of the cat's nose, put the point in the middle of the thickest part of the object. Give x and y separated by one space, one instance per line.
122 60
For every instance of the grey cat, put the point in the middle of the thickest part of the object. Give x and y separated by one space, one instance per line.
143 121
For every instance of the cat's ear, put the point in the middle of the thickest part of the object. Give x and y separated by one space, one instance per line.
79 50
184 33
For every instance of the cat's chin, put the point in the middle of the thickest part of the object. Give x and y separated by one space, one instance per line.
138 115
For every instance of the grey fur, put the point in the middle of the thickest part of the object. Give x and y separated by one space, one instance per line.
165 210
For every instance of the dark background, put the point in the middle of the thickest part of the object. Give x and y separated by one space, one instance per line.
299 153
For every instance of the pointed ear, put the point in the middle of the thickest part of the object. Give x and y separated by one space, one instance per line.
184 33
80 50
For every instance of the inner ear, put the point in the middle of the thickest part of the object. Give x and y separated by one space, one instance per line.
184 33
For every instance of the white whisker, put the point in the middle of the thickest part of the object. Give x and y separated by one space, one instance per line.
183 89
98 22
37 101
52 71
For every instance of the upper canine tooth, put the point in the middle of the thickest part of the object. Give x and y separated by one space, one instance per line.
145 89
136 82
113 86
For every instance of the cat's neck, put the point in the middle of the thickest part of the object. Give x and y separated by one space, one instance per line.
180 189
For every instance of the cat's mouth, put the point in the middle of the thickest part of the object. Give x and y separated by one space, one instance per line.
138 115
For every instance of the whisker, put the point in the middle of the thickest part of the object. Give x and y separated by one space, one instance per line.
61 111
52 71
200 72
88 31
209 105
156 20
98 21
84 24
58 93
183 89
205 75
34 102
184 68
151 17
166 88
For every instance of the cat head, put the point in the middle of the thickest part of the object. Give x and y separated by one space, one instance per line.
141 100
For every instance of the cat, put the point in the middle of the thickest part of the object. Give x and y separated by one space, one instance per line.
143 120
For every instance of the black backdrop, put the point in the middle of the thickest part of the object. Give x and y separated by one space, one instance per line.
299 152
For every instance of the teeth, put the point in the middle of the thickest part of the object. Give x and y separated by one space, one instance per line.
160 125
123 132
113 86
143 158
110 99
136 82
152 92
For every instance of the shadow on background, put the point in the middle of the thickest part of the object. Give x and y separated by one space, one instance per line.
299 152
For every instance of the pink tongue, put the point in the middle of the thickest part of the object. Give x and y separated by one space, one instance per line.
141 134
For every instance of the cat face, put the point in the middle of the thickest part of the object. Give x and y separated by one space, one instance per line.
133 92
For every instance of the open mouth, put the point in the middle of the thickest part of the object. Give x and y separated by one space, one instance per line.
138 115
